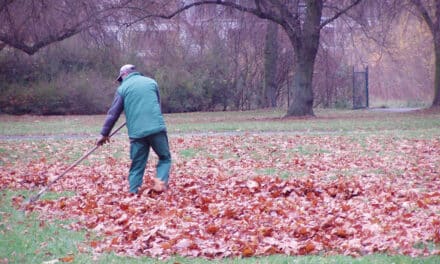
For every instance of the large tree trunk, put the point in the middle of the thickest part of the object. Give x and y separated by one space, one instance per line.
302 92
306 48
270 65
434 25
436 101
431 15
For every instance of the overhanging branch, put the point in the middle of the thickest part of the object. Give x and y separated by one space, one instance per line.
32 49
424 12
256 11
339 13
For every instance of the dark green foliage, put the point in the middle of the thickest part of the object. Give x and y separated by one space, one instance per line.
67 78
62 94
182 99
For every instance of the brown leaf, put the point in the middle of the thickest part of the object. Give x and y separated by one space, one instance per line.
212 229
341 232
67 259
215 202
307 248
247 252
94 243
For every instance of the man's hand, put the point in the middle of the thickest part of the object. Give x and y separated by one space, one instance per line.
103 140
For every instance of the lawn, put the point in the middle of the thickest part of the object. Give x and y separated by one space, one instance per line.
246 187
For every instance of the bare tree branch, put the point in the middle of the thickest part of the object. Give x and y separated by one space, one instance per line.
33 24
32 49
256 11
339 13
424 12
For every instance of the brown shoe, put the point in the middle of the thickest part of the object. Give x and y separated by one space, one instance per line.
159 186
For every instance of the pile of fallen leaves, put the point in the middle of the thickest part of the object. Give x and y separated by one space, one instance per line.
247 195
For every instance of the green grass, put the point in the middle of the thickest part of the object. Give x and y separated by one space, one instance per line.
305 150
38 125
275 172
268 120
25 238
188 153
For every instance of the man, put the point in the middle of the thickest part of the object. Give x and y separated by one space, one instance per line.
138 96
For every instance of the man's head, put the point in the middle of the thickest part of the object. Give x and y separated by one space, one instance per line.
125 70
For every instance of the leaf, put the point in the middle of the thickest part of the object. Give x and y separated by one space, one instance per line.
436 236
341 232
308 248
94 243
122 220
215 201
247 251
252 185
212 229
67 259
302 231
229 213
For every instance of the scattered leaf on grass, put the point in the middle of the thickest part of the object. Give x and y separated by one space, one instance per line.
350 201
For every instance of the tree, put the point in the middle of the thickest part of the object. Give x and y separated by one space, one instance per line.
302 21
270 65
29 25
430 12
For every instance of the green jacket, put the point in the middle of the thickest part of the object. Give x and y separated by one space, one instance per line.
138 96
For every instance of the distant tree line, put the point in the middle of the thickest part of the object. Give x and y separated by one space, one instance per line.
61 57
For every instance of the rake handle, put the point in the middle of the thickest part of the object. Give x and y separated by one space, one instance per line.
83 157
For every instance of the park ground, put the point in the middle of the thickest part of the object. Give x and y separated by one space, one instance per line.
246 187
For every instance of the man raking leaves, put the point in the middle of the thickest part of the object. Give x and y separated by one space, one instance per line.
138 96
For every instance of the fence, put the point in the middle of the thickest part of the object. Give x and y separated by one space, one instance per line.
360 89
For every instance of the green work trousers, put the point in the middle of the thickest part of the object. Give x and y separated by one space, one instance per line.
139 151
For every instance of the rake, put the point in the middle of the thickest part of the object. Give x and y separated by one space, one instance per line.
83 157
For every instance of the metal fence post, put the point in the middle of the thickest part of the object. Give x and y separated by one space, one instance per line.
353 88
366 86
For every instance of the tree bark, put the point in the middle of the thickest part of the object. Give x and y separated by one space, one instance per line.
436 36
432 19
302 93
306 47
436 100
270 65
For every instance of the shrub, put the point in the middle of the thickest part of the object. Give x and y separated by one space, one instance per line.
79 93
